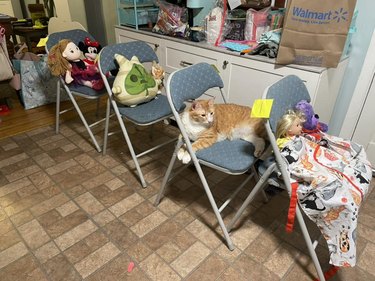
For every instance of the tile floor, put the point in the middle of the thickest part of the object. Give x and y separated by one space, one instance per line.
69 213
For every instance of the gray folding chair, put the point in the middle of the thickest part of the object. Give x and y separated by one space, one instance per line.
234 157
144 114
75 90
286 93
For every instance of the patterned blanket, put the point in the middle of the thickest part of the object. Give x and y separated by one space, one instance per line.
333 177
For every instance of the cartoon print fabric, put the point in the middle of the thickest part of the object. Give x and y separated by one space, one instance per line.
333 178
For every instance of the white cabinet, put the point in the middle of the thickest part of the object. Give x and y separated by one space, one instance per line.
245 77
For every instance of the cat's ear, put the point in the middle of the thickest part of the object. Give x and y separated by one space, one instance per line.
195 105
211 102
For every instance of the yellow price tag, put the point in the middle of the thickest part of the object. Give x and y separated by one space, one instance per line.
42 42
262 108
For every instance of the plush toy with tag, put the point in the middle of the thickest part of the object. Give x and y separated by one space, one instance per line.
312 123
133 84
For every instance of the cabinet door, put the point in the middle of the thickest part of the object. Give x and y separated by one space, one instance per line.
247 84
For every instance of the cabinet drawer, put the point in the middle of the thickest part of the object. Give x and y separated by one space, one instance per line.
123 37
177 58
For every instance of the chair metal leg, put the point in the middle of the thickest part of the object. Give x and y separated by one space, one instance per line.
130 146
309 244
58 98
168 173
257 178
260 184
84 122
214 206
97 107
106 128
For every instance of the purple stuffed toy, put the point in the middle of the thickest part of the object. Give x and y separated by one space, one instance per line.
312 123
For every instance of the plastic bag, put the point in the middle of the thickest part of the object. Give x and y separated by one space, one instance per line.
172 20
256 23
217 25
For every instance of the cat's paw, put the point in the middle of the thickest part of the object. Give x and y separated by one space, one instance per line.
259 147
186 158
181 153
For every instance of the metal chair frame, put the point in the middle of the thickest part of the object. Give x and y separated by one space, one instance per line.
107 63
75 35
286 93
176 97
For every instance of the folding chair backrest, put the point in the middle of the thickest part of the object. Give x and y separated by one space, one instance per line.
286 93
75 35
139 49
57 24
191 83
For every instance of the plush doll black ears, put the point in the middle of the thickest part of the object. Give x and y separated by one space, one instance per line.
90 49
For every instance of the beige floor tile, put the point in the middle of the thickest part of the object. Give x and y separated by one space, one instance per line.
209 270
23 173
366 261
97 259
156 269
190 259
169 251
114 184
12 254
126 204
89 203
49 204
61 167
104 217
46 252
67 208
34 234
139 251
14 186
76 234
281 260
98 180
204 234
9 239
148 223
13 159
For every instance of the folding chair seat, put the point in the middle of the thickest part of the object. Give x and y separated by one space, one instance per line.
286 93
234 157
144 114
75 90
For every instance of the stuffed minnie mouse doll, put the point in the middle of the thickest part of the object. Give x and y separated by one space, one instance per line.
90 50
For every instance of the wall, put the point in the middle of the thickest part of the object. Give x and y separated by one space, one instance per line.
110 15
360 41
77 11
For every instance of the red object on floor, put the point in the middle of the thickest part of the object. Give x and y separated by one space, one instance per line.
4 109
131 266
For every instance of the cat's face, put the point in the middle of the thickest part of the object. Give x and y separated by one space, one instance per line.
202 111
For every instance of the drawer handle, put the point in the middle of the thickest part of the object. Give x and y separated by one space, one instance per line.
225 63
185 63
156 46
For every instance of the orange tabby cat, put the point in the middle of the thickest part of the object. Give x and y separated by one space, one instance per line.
207 123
